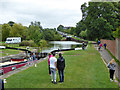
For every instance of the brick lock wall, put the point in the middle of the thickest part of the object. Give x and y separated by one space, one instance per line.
111 45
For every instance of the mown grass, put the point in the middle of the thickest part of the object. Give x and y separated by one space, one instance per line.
84 69
6 52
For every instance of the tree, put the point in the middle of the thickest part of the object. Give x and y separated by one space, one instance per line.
72 31
117 33
100 19
48 35
84 11
83 34
80 27
18 30
34 34
42 43
6 29
0 32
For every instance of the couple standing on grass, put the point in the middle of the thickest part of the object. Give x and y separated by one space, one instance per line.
55 64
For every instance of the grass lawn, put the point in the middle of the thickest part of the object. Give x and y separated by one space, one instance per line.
6 52
84 69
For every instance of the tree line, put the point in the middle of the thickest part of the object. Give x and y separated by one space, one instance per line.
34 32
100 20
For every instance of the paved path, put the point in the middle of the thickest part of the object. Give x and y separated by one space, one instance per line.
107 58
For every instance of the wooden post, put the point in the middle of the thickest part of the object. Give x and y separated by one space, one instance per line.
118 48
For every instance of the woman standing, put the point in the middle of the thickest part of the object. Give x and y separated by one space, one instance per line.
50 55
111 66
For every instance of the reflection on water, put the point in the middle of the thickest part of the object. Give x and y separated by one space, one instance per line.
55 45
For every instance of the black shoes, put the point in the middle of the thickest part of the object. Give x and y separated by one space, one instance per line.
55 82
60 81
51 81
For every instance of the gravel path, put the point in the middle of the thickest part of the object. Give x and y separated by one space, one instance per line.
107 58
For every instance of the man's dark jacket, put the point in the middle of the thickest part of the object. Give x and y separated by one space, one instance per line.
60 63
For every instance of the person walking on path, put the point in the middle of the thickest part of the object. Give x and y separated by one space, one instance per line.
53 68
61 67
105 45
111 66
50 55
1 84
100 47
83 46
98 42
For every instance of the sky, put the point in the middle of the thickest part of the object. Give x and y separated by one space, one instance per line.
51 13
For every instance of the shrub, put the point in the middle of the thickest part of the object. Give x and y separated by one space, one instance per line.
27 43
3 44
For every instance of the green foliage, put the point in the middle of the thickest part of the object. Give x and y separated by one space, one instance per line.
0 32
83 34
51 35
6 29
117 33
48 35
6 52
18 30
43 43
27 43
80 27
100 19
3 44
34 32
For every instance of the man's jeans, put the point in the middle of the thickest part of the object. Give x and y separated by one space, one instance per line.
53 71
61 75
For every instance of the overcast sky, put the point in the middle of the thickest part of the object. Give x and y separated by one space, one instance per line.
51 13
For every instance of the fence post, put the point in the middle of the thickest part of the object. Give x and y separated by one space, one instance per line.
118 48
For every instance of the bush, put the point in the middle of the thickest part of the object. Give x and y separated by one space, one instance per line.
27 43
3 44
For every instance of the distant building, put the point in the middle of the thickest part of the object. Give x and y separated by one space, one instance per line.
67 27
11 23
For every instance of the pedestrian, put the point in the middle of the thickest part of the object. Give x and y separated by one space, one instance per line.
105 45
1 84
61 67
53 68
100 46
98 42
83 45
111 66
50 55
33 56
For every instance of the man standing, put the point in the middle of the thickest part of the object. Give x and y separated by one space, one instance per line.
1 84
53 68
61 66
83 46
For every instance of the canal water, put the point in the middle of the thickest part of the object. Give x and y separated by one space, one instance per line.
55 45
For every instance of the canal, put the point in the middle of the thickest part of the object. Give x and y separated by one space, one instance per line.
55 45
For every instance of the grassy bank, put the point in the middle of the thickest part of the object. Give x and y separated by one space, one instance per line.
6 52
84 69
